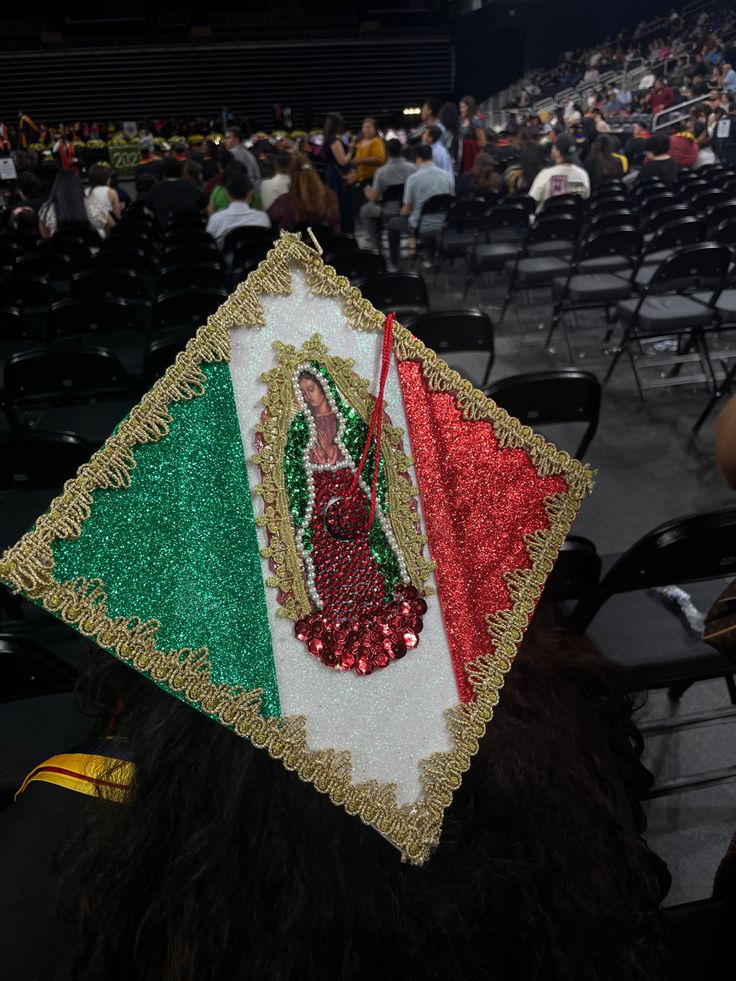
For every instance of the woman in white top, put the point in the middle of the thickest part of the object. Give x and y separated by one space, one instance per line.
68 207
99 188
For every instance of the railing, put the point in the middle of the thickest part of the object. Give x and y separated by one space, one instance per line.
676 114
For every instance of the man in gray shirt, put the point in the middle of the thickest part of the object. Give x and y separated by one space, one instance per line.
234 143
426 183
394 172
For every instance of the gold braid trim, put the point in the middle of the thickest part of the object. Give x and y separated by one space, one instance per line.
28 568
274 431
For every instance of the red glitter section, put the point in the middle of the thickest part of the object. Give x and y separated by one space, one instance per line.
479 502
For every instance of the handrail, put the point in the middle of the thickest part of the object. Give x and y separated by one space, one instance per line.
657 117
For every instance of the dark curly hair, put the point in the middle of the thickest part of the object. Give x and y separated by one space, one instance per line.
224 866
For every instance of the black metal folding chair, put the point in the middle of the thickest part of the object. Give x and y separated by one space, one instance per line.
404 294
497 241
453 331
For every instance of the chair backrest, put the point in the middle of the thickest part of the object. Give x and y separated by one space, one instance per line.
455 330
66 243
16 328
550 397
64 376
550 228
612 202
438 204
621 240
55 266
88 316
656 202
108 283
357 265
704 264
684 550
179 308
184 220
135 259
189 239
161 354
124 241
30 670
710 199
682 231
26 291
32 460
665 216
725 233
391 290
506 215
336 243
466 213
720 213
525 200
394 194
247 233
191 276
611 219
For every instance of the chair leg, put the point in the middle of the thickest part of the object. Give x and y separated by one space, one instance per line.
632 359
614 361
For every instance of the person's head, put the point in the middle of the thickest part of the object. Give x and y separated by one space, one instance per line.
638 130
313 393
237 183
657 146
224 157
449 116
222 864
171 168
432 134
467 107
429 110
233 137
423 154
282 162
210 150
531 161
484 173
369 130
98 176
658 85
393 149
334 125
310 200
28 185
565 150
146 153
67 199
192 171
727 67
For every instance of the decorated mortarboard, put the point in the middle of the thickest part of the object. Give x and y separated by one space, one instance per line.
315 532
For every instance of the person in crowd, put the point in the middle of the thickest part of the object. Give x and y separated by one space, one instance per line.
220 865
449 121
426 183
99 188
657 160
520 174
209 160
67 207
729 79
149 163
471 125
660 98
429 115
173 196
192 172
565 176
273 187
239 212
234 143
394 172
481 179
370 152
601 163
214 190
647 80
117 187
24 209
684 148
704 140
307 201
727 141
339 172
634 147
432 136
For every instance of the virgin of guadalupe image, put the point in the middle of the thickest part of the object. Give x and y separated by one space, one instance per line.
365 612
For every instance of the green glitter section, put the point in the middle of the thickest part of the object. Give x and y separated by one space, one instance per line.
180 546
354 436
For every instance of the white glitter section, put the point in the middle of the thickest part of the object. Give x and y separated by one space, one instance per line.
391 719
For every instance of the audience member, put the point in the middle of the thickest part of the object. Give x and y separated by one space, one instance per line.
149 164
339 174
234 143
426 183
67 207
684 148
307 202
238 212
471 125
520 174
370 152
394 172
429 116
173 196
433 137
99 188
565 176
634 148
24 210
601 162
661 97
481 179
657 160
273 187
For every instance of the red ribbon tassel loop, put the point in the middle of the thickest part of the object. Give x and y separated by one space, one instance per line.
376 423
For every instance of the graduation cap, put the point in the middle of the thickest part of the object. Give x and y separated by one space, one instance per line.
315 532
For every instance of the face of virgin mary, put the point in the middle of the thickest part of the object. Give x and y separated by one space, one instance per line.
314 395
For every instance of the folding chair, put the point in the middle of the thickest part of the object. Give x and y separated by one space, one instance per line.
404 294
39 460
160 355
179 255
543 398
191 276
245 234
105 283
649 635
140 262
663 310
664 243
125 241
595 277
27 292
180 313
16 331
459 231
452 331
432 217
497 241
357 264
54 265
575 574
65 243
544 255
89 318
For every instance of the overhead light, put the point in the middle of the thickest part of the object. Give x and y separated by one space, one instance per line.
412 111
